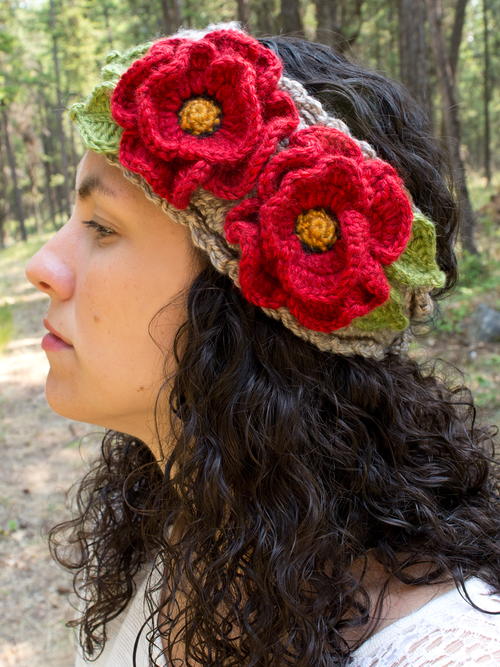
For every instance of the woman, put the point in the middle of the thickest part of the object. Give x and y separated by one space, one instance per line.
259 227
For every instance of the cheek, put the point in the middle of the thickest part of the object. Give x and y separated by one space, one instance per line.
120 337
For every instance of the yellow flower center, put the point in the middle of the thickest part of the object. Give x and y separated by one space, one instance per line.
200 115
316 229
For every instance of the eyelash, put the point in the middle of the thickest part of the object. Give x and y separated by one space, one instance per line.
100 231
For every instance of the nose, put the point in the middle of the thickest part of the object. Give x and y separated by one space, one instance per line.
50 272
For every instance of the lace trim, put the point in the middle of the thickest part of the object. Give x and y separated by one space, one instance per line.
446 631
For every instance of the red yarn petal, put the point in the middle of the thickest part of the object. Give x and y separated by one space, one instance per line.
196 55
233 183
123 99
241 220
280 114
175 181
161 99
323 274
187 179
337 312
327 140
280 165
359 288
237 137
390 215
335 183
257 285
166 47
267 65
233 84
134 155
235 41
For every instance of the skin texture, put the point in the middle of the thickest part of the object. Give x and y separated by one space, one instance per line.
104 292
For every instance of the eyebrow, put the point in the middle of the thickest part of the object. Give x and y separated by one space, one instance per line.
92 184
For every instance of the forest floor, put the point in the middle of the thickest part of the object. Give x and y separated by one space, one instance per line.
40 460
44 454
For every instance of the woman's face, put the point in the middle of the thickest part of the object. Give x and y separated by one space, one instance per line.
104 292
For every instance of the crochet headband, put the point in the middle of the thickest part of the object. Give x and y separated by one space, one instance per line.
303 217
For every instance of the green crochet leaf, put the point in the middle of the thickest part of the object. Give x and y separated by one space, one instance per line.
416 266
99 132
390 315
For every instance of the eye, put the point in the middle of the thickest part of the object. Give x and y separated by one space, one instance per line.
101 232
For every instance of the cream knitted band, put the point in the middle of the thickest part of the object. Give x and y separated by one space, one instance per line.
411 275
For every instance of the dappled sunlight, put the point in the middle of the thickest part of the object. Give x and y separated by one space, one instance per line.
15 345
27 296
25 367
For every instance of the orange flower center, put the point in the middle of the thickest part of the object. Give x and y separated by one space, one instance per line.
316 229
200 115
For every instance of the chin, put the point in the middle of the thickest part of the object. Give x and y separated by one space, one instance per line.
62 401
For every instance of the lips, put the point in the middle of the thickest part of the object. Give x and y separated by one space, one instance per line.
53 331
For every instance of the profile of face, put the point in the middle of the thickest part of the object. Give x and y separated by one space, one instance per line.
106 280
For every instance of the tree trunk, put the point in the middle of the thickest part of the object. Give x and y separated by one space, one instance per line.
16 193
3 196
291 21
350 20
327 23
456 34
107 23
413 53
264 16
187 18
338 22
60 106
171 15
452 123
243 13
392 26
486 95
47 149
32 153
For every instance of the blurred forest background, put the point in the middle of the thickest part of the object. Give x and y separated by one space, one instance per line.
446 52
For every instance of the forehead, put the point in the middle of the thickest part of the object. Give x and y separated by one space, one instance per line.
95 174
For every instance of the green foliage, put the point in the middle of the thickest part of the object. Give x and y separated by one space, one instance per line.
6 326
473 270
56 179
20 252
452 319
11 527
470 78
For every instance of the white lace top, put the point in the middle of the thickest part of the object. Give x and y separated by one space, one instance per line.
445 632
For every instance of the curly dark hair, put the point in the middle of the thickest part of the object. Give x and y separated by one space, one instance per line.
288 463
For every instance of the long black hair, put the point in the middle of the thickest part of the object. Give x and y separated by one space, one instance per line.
289 464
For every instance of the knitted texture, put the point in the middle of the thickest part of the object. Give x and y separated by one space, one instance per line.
302 216
99 131
204 113
330 271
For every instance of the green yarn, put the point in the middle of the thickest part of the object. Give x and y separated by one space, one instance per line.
93 117
390 315
416 267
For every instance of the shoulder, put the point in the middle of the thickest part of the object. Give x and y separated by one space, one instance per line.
446 632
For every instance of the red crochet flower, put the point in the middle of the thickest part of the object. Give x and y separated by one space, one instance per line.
203 113
324 222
